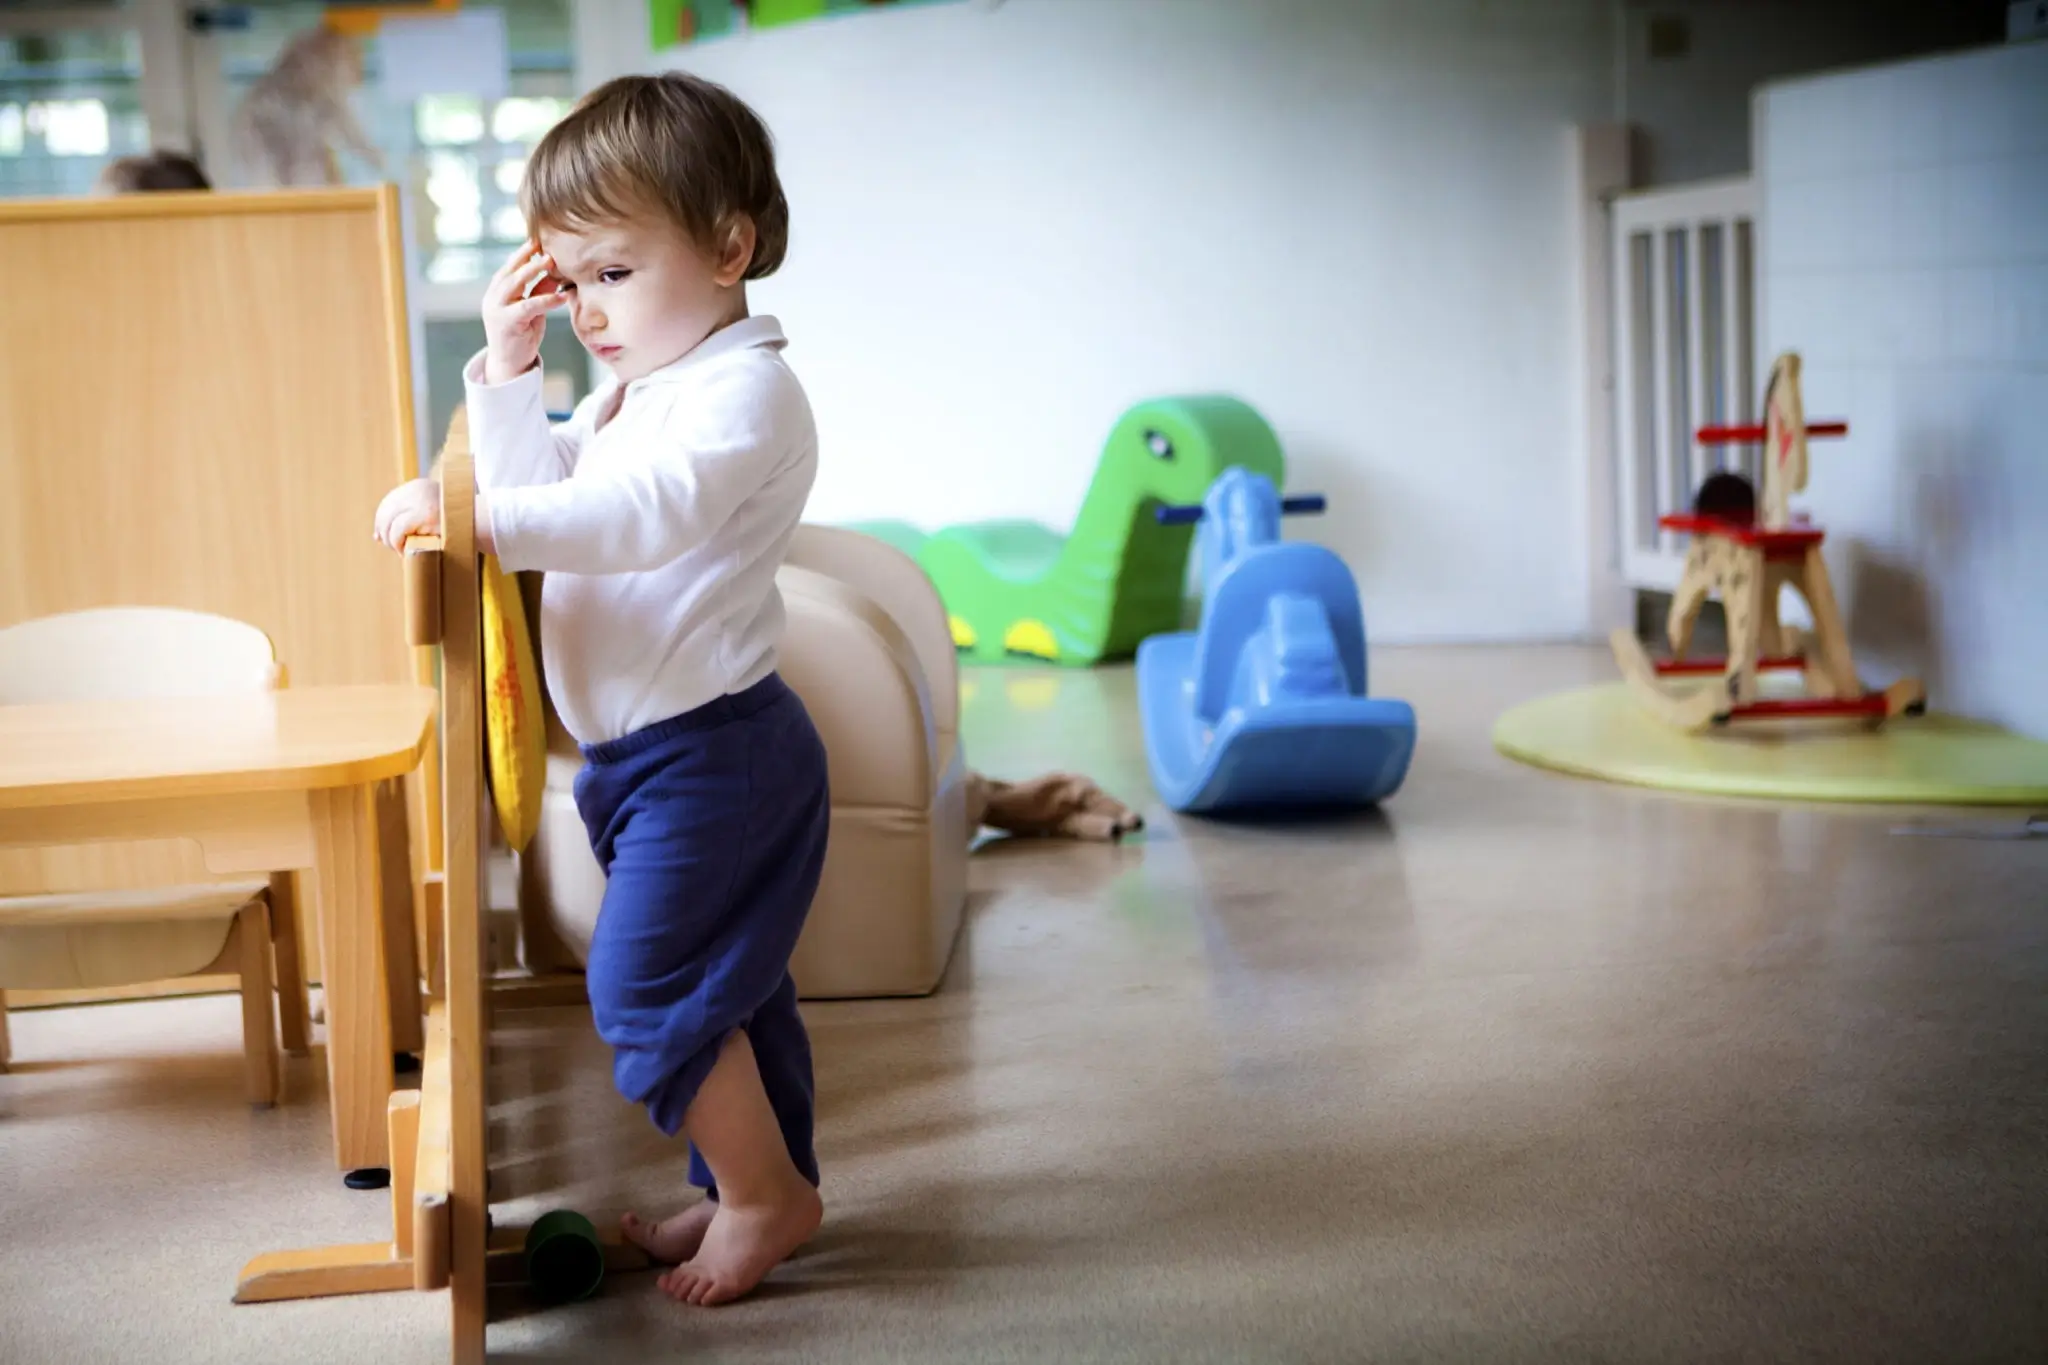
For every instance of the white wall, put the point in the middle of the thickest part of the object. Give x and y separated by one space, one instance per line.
1011 222
1905 255
1013 219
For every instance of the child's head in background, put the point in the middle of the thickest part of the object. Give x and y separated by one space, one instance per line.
656 200
156 171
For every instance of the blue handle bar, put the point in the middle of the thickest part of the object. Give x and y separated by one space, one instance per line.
1171 515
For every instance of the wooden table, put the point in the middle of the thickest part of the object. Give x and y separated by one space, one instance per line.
307 778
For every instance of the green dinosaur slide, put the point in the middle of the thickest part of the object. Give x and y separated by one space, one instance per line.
1015 588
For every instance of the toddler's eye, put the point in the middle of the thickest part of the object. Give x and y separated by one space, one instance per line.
612 276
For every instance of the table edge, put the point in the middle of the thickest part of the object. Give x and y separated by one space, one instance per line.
326 774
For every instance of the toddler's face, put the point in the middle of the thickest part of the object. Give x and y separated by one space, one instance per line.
641 294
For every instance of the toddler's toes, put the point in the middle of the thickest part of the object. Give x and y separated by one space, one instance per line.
681 1284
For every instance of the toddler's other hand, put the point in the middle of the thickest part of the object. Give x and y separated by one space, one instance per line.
513 322
411 509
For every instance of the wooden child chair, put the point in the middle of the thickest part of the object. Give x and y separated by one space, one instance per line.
1745 555
87 918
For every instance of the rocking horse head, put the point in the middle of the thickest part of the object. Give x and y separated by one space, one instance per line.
1784 441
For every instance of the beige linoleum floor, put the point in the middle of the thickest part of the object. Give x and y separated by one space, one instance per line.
1529 1069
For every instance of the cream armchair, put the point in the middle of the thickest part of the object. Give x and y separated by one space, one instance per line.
869 652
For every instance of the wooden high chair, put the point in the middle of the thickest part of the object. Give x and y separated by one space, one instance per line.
1745 555
80 919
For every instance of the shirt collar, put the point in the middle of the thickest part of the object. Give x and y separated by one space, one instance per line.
747 333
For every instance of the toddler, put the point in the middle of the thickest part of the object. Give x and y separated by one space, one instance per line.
660 512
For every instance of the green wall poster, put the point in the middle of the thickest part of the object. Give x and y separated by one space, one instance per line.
685 21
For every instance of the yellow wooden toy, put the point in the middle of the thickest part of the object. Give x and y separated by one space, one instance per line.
516 744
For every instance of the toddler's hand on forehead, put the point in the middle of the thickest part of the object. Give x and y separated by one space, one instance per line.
516 303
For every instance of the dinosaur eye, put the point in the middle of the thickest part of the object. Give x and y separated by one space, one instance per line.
1156 442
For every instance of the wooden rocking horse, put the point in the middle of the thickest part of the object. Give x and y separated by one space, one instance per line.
1744 555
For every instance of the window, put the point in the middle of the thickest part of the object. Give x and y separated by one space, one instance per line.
471 154
70 101
451 152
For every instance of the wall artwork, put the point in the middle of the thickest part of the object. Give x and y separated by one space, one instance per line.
686 21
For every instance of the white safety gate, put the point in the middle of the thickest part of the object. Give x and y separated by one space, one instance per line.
1685 357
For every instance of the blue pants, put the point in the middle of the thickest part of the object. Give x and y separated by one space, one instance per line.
710 828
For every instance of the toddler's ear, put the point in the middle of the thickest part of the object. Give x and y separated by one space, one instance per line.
736 250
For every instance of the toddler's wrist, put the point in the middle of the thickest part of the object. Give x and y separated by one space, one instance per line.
498 371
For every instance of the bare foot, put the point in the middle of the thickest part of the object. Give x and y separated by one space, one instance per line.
742 1245
673 1240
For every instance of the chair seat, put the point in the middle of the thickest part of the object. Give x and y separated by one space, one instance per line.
87 940
151 905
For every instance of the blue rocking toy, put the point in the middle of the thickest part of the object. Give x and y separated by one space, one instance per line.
1264 706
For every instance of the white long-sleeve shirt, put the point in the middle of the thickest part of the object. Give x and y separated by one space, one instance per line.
660 526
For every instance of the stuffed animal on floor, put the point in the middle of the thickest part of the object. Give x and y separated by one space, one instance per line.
1060 805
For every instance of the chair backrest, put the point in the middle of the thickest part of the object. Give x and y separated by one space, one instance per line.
894 580
859 675
120 653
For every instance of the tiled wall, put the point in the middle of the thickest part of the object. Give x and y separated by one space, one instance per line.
1905 256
